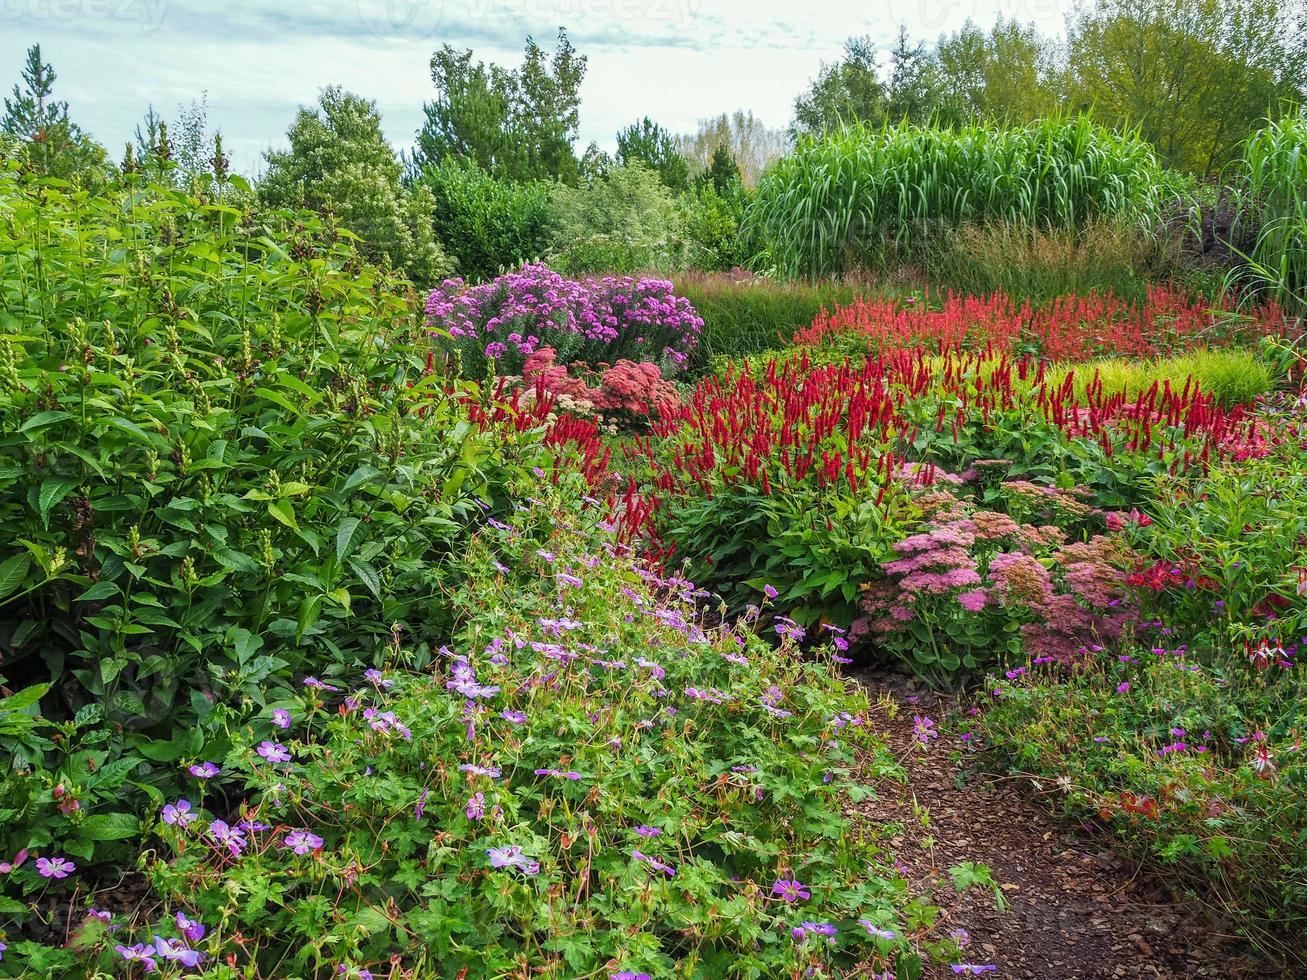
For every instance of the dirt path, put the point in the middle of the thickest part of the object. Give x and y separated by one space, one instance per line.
1075 909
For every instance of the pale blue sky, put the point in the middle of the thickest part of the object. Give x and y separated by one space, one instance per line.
675 60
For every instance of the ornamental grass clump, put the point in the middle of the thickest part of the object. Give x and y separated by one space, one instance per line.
496 326
583 781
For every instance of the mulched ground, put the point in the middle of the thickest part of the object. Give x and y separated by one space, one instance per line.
1075 909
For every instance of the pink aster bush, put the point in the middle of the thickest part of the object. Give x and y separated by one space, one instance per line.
974 585
596 321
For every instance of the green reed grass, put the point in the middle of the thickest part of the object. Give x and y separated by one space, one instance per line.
861 197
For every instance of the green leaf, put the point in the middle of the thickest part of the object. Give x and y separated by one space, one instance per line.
42 420
346 535
25 698
111 826
100 590
284 512
53 490
13 571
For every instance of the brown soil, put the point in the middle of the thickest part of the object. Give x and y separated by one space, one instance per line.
1075 909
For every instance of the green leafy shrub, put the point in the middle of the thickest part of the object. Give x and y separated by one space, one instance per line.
622 221
584 782
488 224
214 475
1236 533
714 227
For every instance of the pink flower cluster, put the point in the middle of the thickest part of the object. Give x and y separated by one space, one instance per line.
626 386
1066 597
597 320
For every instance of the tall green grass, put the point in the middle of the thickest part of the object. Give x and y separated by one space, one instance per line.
1273 179
862 197
1233 376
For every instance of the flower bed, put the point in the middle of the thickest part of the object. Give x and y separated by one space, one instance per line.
584 778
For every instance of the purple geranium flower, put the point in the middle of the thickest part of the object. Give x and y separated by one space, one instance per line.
476 806
140 953
273 751
179 814
177 951
654 863
193 931
57 867
204 770
281 717
301 841
790 890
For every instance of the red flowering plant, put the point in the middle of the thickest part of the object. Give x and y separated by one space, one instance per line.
1073 328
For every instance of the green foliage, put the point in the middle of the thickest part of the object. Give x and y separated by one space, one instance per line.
1238 532
742 136
340 164
53 144
214 475
1234 376
648 143
1272 174
844 92
1006 76
749 316
722 172
714 226
865 196
487 224
520 124
621 222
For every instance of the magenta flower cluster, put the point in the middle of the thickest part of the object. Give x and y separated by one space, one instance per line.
598 321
